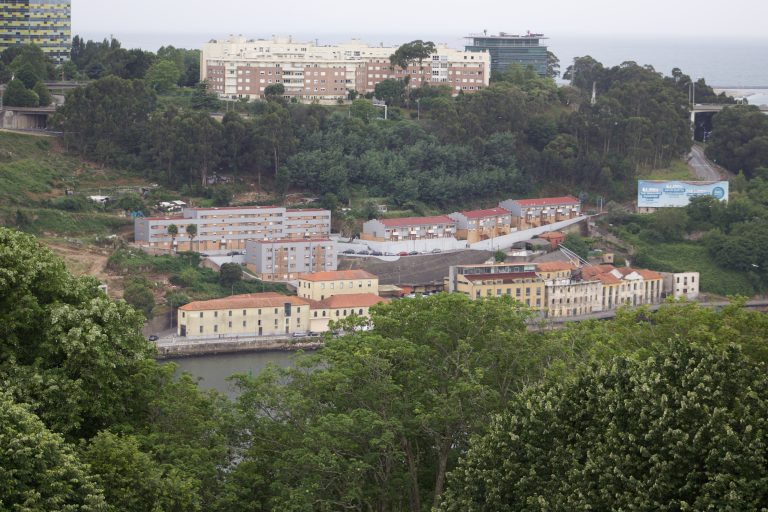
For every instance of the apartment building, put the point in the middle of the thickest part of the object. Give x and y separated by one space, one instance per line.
256 314
681 285
320 285
525 287
478 225
44 23
286 259
229 228
243 68
456 272
409 228
532 213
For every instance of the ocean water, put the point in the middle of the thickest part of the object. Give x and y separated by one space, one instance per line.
725 62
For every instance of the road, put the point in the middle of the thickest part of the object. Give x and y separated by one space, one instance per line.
704 169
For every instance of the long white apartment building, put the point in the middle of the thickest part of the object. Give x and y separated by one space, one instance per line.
228 228
242 68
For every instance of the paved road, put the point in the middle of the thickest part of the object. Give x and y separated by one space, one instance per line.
703 168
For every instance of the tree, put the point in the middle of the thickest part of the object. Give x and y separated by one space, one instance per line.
364 109
230 274
417 50
191 233
173 232
680 430
162 76
391 91
16 95
274 91
138 293
65 343
43 95
500 256
39 470
553 65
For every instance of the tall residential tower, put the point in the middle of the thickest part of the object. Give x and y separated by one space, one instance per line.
45 23
506 49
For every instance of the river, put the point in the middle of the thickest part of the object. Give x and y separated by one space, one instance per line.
213 371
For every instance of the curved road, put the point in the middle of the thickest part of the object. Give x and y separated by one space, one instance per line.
703 168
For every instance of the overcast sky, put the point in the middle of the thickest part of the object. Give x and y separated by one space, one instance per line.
315 18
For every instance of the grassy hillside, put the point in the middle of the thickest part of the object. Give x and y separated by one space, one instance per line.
35 172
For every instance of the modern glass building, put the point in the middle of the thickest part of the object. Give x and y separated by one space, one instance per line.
45 23
506 49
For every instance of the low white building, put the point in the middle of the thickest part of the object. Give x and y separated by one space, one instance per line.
681 285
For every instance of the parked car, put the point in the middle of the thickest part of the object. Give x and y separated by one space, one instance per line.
233 253
413 253
436 250
364 252
153 337
349 251
299 335
403 253
376 253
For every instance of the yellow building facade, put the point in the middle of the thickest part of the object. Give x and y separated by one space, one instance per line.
44 23
318 286
525 287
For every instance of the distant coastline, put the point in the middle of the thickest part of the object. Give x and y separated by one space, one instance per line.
733 64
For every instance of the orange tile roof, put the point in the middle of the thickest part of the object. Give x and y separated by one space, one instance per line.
353 300
552 234
337 275
648 275
247 301
596 270
554 266
607 278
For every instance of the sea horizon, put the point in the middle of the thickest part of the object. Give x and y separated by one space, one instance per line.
733 64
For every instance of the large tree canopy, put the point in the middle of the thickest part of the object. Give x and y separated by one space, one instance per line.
684 430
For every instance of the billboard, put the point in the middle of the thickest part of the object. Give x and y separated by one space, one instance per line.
674 194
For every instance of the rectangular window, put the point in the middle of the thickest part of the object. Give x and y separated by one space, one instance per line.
201 329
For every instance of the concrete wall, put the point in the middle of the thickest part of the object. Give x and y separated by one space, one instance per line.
507 241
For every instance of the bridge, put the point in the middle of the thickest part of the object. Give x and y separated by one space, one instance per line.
25 118
701 108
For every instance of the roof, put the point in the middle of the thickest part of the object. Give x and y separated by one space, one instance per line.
547 201
648 274
506 278
337 275
247 301
554 266
353 300
595 270
299 210
416 221
490 212
552 234
214 208
606 278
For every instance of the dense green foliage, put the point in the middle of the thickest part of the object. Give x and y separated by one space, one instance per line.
379 418
726 242
505 140
684 430
739 140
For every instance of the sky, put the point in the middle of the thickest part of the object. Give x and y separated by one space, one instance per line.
743 19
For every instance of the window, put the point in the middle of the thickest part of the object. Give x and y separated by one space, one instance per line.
201 329
215 328
230 325
215 314
230 312
244 312
244 323
360 312
201 314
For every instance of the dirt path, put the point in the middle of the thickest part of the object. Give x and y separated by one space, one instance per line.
89 261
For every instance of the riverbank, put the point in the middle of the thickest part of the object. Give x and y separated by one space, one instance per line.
181 350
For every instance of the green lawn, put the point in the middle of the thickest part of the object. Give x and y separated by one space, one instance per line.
677 170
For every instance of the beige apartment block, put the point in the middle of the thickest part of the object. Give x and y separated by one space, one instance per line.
238 67
229 228
478 225
319 286
286 259
532 213
409 228
257 314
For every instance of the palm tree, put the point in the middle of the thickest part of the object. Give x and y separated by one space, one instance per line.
192 233
173 230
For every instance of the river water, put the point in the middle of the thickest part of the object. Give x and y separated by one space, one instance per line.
213 371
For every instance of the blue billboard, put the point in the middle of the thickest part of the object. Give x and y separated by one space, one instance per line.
674 194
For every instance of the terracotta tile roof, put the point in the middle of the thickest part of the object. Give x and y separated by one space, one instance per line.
552 234
416 221
547 201
480 214
354 300
607 278
247 301
337 275
554 266
596 270
648 274
506 278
